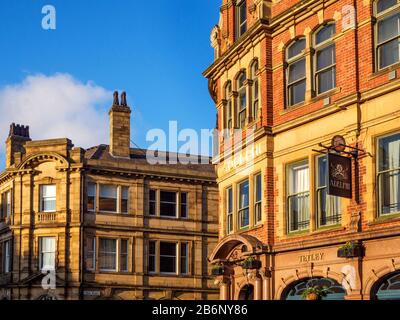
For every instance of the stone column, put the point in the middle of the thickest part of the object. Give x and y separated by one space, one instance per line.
224 290
258 289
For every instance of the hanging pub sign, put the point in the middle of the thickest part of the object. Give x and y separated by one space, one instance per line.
339 183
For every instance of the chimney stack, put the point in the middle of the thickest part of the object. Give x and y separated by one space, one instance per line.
17 137
120 125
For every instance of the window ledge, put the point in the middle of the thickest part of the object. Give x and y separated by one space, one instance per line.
324 95
297 233
383 71
393 217
323 229
109 213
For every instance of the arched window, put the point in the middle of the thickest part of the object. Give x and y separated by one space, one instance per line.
228 106
242 100
388 288
295 291
324 59
241 18
296 73
254 90
387 32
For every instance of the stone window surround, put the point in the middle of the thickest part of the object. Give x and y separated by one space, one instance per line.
96 268
97 197
178 192
178 258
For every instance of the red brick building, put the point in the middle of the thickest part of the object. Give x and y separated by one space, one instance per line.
288 77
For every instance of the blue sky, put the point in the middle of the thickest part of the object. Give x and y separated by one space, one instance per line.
155 50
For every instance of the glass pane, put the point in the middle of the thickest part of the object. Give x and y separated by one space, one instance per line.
297 70
184 258
389 152
184 205
329 208
258 188
152 264
168 209
108 198
297 93
168 196
48 204
299 213
124 255
243 12
388 53
242 99
152 195
296 48
241 80
243 218
47 253
382 5
108 254
326 80
325 57
124 193
92 189
168 248
48 191
300 178
390 192
152 247
388 28
108 191
244 195
325 33
322 171
230 200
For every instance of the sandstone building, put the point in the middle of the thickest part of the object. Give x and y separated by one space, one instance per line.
302 77
103 223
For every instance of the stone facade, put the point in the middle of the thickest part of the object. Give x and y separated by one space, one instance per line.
95 226
361 107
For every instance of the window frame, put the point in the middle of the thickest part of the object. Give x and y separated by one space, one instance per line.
228 108
378 181
241 90
91 252
178 204
176 257
318 189
41 253
240 5
318 48
257 204
116 255
239 209
229 215
116 199
6 255
156 256
289 62
255 88
289 195
381 16
41 197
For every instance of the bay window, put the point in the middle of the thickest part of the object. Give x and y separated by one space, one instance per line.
298 197
47 253
388 178
243 205
48 198
296 72
387 32
325 59
328 207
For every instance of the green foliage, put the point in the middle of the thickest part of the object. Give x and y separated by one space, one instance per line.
318 290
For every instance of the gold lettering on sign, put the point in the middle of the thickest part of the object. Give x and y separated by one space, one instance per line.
311 257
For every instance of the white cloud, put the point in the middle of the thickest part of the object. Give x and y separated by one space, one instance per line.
56 106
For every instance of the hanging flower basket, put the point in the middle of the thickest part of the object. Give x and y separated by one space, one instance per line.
218 270
251 263
315 293
350 250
